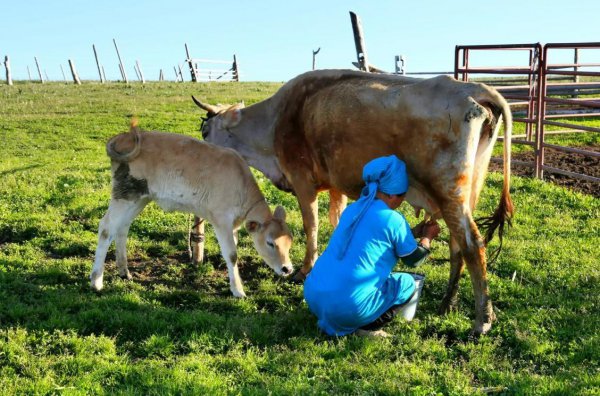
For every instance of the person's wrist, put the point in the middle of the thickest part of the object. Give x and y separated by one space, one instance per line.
425 242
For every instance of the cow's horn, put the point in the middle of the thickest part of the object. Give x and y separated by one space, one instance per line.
207 107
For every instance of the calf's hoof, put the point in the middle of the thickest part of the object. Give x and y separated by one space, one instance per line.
96 282
238 293
126 276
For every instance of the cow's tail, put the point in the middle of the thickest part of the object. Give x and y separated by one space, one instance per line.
135 135
504 212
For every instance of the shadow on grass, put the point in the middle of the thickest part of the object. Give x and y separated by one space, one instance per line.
132 313
21 169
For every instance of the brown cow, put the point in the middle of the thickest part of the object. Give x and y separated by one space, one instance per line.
320 128
181 173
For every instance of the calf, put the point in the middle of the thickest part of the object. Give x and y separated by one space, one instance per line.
184 174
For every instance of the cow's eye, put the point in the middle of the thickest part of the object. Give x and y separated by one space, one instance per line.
271 244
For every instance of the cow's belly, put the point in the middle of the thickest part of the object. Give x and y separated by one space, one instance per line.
420 200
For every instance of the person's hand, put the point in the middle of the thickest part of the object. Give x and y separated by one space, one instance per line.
417 230
431 230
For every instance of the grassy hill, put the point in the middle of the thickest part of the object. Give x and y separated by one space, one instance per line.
177 330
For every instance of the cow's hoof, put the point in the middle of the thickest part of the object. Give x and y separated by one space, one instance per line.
238 293
299 277
480 329
447 306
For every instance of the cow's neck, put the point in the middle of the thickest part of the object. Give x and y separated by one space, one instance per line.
256 137
257 129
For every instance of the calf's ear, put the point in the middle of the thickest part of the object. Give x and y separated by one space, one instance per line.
252 226
279 213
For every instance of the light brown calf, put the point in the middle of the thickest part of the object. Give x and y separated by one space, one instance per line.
184 174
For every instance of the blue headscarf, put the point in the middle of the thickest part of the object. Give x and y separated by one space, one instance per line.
385 174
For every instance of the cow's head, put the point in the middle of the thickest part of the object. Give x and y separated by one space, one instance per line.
273 241
219 120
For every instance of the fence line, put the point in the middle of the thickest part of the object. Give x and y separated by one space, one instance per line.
211 70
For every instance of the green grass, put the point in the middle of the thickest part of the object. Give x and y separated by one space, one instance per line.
177 330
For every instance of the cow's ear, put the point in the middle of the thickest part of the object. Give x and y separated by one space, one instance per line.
252 226
231 118
279 213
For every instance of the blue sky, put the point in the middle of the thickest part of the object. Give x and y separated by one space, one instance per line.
273 40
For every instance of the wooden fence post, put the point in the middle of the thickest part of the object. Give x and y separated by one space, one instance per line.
28 72
141 72
63 73
121 67
236 70
7 66
315 56
361 52
161 77
76 79
180 72
191 64
98 64
39 70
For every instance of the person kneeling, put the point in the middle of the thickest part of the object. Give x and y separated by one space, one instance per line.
351 288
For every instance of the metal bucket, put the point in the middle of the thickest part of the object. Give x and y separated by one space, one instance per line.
409 309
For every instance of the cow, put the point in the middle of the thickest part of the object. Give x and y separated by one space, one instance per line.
319 129
181 173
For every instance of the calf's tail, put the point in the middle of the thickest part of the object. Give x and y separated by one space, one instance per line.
134 137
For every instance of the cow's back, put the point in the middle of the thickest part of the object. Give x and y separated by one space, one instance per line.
344 122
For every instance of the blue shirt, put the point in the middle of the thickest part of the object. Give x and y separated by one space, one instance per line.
353 291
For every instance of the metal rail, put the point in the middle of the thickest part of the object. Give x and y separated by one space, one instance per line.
544 81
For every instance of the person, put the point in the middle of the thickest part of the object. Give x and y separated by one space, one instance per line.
351 288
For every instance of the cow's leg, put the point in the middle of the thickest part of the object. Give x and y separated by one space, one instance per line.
337 204
309 206
114 226
227 241
457 266
464 230
197 241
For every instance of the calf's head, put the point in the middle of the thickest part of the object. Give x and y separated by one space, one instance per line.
273 240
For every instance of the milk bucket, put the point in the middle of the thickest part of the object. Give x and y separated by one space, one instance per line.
408 310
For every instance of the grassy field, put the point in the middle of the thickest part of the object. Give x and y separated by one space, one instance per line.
177 330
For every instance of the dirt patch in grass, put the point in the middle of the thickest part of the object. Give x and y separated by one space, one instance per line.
565 161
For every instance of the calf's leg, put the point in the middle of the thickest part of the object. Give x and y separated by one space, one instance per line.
114 226
227 242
